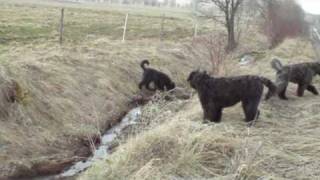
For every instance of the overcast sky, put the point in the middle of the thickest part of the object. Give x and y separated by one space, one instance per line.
310 6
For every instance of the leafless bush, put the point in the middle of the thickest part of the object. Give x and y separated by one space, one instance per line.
282 19
91 128
214 45
230 10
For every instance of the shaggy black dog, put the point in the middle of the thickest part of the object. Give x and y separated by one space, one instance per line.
161 81
218 93
301 74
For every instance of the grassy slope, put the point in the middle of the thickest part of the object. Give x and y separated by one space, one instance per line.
176 145
75 90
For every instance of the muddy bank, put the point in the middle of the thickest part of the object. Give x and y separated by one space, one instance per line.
90 149
106 146
106 143
69 167
49 168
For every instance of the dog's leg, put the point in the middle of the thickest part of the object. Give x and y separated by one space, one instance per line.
141 84
282 88
251 123
300 90
160 85
206 116
215 113
282 81
250 109
312 89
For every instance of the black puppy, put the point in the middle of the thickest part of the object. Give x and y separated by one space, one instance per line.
161 81
301 74
218 93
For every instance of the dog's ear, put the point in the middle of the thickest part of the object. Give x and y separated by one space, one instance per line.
197 71
191 75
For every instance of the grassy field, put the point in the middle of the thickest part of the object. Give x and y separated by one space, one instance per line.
27 23
70 93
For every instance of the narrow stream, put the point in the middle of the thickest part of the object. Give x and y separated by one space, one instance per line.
106 141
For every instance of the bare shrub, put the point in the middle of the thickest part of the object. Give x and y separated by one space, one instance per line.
283 18
230 9
151 116
91 127
214 46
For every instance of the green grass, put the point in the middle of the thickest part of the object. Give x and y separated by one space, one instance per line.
31 23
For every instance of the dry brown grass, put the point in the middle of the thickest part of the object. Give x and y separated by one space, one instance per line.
71 92
174 144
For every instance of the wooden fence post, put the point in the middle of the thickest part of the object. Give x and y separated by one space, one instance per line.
315 41
61 26
125 28
195 34
162 27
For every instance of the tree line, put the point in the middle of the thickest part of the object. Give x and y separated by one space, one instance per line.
155 3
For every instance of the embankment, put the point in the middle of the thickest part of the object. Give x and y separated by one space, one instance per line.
68 95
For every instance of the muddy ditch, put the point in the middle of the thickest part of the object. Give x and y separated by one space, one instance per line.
98 147
106 146
86 152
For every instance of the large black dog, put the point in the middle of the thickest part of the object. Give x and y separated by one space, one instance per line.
218 93
301 74
161 81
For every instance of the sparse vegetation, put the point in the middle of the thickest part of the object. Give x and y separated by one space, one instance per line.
170 142
68 95
283 19
229 9
214 46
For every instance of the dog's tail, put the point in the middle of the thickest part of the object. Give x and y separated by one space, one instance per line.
276 64
316 67
143 63
270 85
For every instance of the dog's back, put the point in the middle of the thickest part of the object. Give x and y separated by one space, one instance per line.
238 86
231 89
296 73
161 80
218 93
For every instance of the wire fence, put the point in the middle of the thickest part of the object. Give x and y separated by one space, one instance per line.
71 25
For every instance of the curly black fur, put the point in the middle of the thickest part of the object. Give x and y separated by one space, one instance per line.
162 81
301 74
218 93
